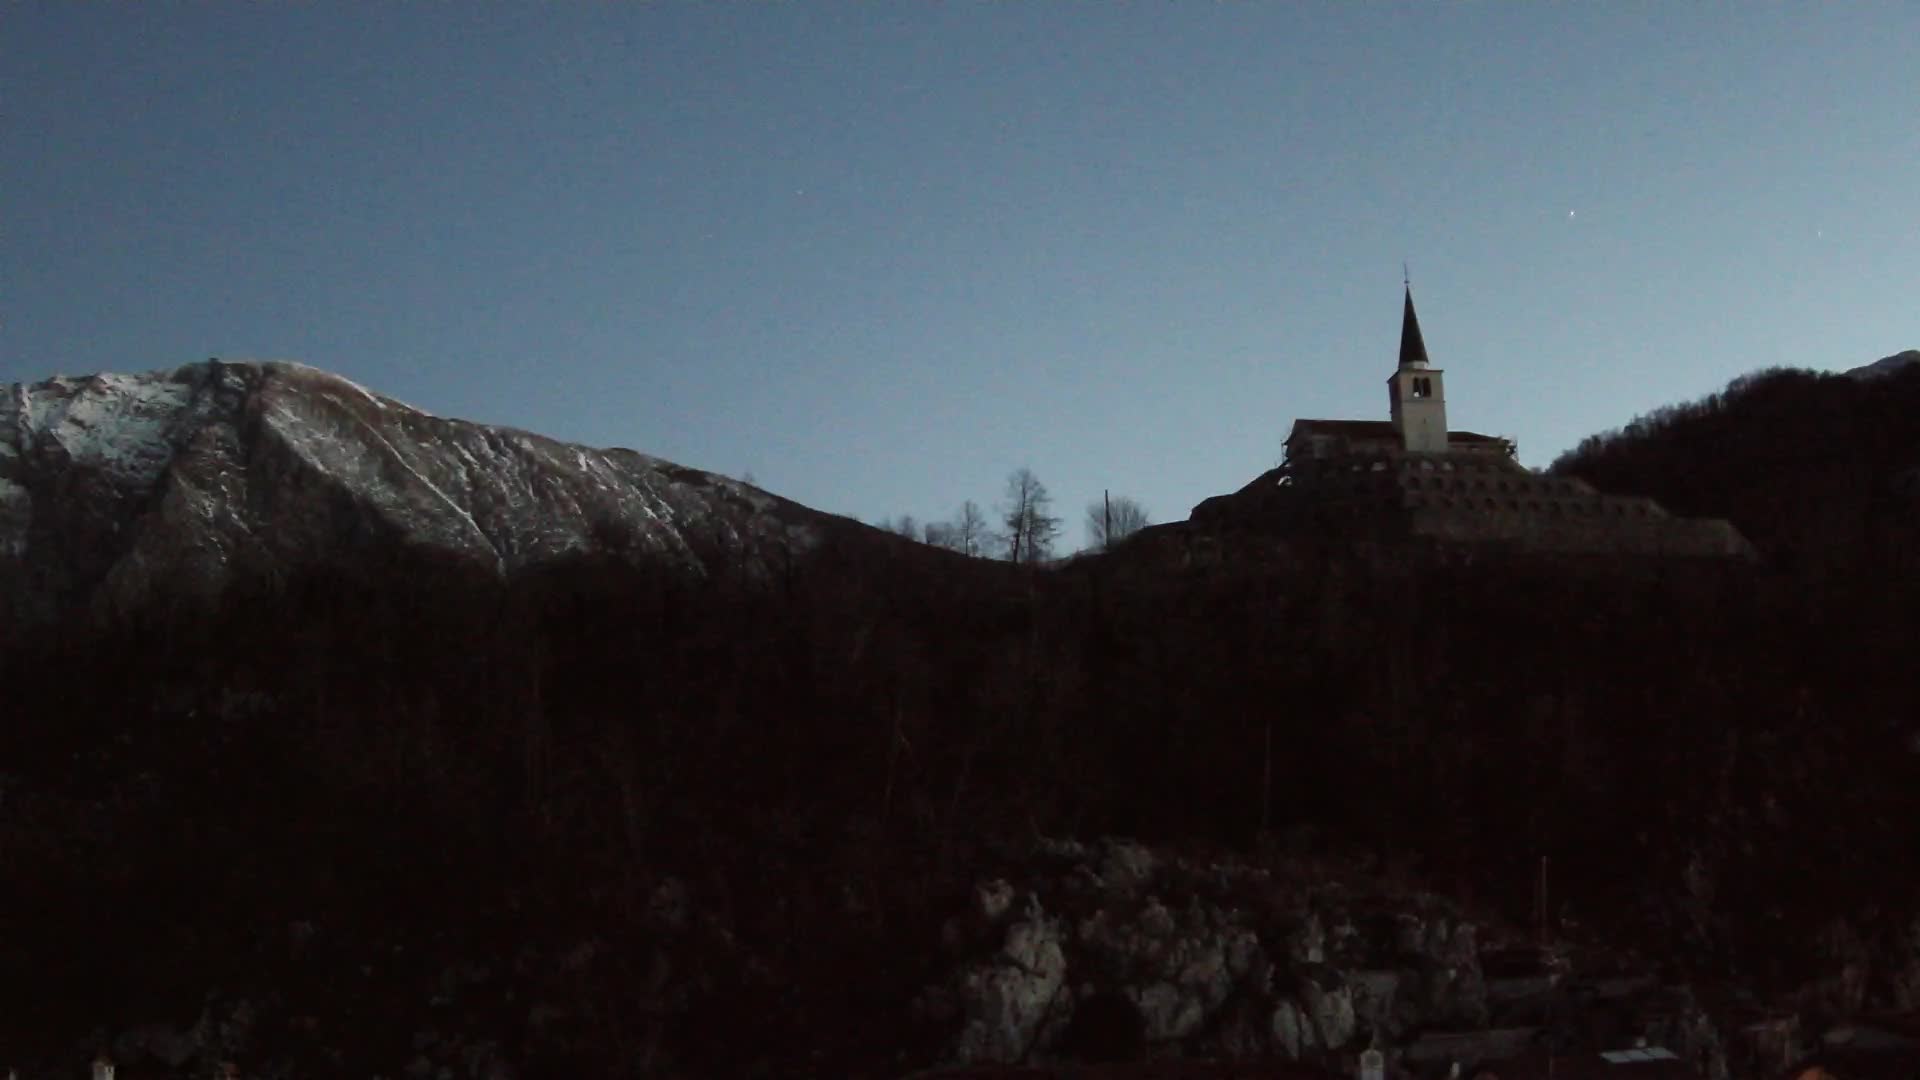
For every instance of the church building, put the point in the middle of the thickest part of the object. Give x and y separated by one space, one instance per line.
1410 478
1416 409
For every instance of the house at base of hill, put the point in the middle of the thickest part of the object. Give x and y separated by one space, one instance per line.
1411 478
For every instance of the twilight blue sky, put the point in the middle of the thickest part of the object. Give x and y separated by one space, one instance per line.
881 254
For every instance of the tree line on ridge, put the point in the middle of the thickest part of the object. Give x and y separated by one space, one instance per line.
1025 529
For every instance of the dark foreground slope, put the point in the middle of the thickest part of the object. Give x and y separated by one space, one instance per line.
605 816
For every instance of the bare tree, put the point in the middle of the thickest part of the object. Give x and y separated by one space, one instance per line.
904 525
970 529
1030 529
1113 519
965 532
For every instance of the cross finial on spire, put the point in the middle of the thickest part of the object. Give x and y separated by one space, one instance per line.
1406 276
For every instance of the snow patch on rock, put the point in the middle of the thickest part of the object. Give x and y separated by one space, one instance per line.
118 423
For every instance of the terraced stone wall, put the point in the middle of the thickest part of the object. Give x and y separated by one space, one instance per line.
1488 499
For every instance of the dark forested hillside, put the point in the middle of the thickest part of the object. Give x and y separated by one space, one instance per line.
436 770
1819 470
626 822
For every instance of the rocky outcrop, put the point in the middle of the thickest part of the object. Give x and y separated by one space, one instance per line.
1110 950
1018 995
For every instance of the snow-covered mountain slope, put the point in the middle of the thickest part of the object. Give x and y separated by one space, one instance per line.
112 484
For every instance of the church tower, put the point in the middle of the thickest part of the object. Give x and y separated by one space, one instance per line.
1416 393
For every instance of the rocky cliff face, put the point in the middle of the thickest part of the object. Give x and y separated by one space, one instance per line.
114 485
1110 951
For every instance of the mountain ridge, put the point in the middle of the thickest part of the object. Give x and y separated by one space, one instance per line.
1886 365
112 483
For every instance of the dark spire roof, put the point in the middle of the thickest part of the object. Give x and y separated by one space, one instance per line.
1412 349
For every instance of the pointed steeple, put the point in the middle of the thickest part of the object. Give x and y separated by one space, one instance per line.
1416 398
1413 350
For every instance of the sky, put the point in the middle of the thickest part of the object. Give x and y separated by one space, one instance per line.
879 255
